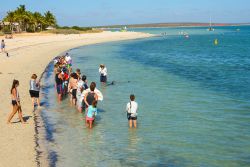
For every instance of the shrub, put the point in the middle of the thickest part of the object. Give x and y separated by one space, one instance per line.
63 31
6 29
30 29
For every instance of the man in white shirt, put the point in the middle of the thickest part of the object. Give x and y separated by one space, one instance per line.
131 109
68 58
103 73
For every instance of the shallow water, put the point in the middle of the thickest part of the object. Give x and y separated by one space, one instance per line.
193 96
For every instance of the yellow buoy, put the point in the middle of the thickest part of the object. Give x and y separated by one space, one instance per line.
216 42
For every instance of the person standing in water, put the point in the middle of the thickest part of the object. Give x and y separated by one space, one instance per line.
78 72
91 96
81 86
131 109
15 100
59 82
91 114
72 87
103 73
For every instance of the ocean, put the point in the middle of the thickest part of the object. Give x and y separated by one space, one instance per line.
193 97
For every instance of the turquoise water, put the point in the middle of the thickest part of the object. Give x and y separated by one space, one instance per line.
193 96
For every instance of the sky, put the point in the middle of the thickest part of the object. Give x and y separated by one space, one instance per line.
122 12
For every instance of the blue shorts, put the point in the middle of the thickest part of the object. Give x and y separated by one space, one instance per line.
59 89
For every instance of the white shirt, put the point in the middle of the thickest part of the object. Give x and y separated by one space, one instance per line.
132 108
80 84
55 61
103 71
68 59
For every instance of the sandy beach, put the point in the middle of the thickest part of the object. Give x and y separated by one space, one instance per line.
28 55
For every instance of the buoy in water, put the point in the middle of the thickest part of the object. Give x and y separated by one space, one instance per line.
216 42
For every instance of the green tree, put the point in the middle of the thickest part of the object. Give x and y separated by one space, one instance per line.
39 21
28 20
11 18
50 19
21 16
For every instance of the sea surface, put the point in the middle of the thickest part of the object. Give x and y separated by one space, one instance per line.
193 97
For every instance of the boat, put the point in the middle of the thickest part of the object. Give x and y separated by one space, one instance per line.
210 26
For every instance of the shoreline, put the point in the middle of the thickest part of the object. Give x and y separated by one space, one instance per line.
180 26
32 55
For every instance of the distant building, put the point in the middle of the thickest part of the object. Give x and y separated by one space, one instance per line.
14 27
50 28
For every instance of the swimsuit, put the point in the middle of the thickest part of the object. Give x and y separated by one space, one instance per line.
58 84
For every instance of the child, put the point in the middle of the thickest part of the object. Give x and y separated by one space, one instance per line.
131 109
92 112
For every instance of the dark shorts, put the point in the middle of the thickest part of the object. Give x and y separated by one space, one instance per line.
14 102
103 78
34 93
131 118
74 93
59 89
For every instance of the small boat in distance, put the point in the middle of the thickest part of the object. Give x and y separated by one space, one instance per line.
210 26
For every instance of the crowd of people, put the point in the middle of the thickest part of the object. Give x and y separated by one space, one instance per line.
73 84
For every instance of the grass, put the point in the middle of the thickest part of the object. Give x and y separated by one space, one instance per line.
71 31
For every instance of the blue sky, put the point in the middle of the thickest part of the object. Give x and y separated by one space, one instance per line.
110 12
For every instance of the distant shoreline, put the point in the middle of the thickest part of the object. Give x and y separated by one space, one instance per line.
172 25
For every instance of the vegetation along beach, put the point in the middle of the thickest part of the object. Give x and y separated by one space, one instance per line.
124 84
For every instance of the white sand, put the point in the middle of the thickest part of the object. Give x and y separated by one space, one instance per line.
28 55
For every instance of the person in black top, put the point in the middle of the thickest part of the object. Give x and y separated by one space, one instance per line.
59 81
91 96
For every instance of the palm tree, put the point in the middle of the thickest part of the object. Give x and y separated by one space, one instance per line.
21 15
28 20
11 17
21 9
49 19
39 19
